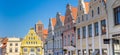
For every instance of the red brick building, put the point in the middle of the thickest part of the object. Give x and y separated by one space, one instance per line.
41 32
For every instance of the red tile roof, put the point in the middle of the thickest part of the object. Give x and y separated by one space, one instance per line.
45 31
74 12
62 19
53 22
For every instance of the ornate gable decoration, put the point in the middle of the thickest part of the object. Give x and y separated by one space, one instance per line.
31 39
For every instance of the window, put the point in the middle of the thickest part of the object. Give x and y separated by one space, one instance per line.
86 16
38 49
78 19
117 15
103 27
10 50
25 49
32 50
16 44
92 13
73 39
78 32
65 40
39 27
16 49
69 40
80 7
98 10
96 29
79 52
10 44
90 30
84 32
82 18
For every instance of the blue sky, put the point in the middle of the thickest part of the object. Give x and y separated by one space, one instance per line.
18 16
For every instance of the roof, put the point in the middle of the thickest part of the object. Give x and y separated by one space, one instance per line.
53 22
45 31
62 19
74 12
5 40
87 7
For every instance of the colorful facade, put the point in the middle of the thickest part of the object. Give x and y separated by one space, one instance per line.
13 46
91 26
31 44
69 36
41 31
113 10
58 30
50 38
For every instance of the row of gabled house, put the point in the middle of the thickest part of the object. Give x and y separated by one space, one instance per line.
90 29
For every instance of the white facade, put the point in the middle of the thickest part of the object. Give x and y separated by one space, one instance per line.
58 29
114 25
49 40
13 46
91 28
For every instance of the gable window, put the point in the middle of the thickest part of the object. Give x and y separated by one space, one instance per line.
92 13
117 15
65 41
73 39
69 40
90 30
82 18
98 10
96 29
80 7
78 19
86 16
103 27
84 32
78 31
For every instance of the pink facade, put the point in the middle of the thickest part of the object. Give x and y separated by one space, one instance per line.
69 38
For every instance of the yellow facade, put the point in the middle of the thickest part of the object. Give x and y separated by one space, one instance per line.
31 44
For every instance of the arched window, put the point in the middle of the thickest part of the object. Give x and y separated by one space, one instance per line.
98 10
92 13
78 19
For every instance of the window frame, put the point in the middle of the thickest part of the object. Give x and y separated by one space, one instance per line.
116 15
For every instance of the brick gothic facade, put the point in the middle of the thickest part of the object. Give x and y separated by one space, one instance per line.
41 32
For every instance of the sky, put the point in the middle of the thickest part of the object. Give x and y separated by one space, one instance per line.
18 16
